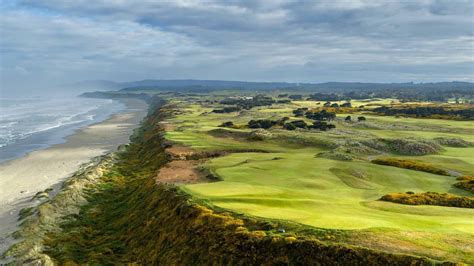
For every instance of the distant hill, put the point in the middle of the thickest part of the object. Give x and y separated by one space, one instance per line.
191 85
206 85
381 86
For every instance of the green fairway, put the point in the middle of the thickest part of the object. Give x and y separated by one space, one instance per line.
303 188
291 183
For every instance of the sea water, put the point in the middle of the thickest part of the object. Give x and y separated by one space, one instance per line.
28 124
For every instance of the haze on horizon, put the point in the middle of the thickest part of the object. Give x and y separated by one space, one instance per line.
51 42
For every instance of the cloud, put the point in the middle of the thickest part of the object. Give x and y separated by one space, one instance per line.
357 40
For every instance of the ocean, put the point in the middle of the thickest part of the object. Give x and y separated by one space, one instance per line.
28 124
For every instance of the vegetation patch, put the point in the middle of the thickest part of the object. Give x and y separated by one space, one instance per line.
430 198
25 212
452 142
412 146
442 112
223 133
40 221
466 183
359 147
259 135
335 156
227 110
411 164
248 102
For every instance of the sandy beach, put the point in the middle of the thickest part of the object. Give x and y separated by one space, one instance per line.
22 178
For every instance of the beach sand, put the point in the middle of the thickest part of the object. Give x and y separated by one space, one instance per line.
22 178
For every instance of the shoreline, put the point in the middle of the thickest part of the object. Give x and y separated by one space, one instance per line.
39 138
50 167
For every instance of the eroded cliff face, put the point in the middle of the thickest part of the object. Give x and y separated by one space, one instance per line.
122 215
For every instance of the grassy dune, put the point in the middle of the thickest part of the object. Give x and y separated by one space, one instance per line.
291 183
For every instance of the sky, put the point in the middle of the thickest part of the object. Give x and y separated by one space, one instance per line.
47 42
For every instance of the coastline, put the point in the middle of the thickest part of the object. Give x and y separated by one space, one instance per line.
23 177
185 230
55 120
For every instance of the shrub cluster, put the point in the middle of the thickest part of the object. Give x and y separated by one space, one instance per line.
300 111
466 183
412 165
295 124
227 110
326 97
266 123
430 198
249 102
428 111
322 115
321 125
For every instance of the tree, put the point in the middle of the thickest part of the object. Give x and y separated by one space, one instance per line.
262 123
348 118
298 112
335 105
346 104
322 115
361 118
295 124
322 125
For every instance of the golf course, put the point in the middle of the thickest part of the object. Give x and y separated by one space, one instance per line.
325 180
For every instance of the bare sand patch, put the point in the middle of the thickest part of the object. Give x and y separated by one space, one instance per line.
181 172
178 152
167 126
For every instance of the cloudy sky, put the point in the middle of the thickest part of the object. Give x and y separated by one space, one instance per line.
57 41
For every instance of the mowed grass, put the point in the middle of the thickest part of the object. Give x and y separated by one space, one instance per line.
303 188
290 183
